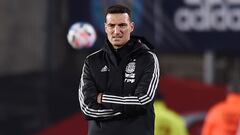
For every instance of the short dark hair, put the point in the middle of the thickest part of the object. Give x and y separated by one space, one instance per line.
118 9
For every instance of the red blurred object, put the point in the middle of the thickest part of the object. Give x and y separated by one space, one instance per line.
185 96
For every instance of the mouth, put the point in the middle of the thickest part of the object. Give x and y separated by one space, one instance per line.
117 38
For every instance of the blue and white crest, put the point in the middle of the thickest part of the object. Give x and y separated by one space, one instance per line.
130 68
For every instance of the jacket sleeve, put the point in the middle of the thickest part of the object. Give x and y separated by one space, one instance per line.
144 93
87 97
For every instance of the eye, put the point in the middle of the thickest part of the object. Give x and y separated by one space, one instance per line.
122 25
111 25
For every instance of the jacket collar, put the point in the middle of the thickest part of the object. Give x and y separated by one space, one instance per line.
136 43
133 47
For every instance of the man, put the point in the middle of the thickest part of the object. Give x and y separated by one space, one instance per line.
224 117
167 122
119 81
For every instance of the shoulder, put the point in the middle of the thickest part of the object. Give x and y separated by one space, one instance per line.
94 55
148 57
217 107
151 55
215 111
163 111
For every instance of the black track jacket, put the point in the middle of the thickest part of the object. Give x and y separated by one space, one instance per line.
128 81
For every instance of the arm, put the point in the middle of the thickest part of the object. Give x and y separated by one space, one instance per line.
88 97
144 92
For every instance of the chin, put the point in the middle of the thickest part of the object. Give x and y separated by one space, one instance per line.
117 45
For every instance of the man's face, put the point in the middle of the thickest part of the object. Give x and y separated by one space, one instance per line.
118 28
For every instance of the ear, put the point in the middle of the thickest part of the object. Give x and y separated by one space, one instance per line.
105 27
132 26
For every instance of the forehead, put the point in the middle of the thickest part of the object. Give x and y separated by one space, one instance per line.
117 18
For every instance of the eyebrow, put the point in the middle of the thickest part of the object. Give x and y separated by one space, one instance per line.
120 24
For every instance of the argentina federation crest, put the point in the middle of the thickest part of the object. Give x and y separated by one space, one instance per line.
130 68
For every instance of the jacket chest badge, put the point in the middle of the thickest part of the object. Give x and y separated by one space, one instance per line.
130 72
130 68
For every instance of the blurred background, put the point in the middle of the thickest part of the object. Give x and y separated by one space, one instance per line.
197 42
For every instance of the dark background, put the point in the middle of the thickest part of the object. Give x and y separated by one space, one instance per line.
40 71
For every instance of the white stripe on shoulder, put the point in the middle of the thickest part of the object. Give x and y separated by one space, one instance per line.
94 53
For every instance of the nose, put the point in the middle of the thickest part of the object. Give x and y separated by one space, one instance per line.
116 30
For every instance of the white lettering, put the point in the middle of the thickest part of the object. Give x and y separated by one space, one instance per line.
131 75
209 15
234 20
129 80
